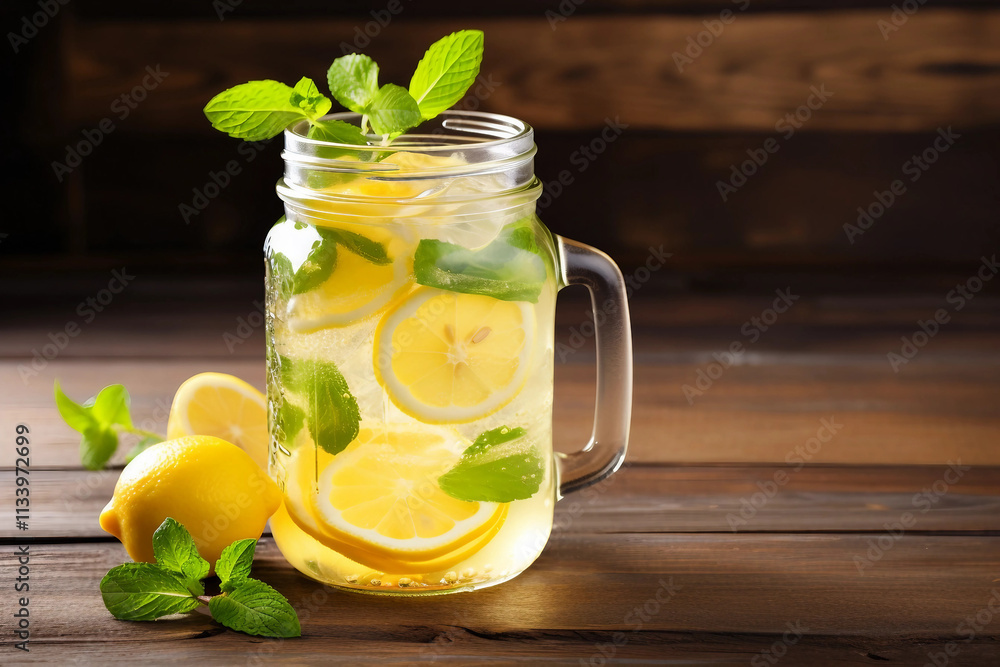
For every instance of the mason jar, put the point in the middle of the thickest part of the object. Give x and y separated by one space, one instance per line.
411 297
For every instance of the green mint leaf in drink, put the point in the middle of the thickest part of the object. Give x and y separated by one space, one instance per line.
255 608
291 419
318 265
141 446
353 81
306 96
97 446
175 550
233 566
254 111
362 246
145 592
281 273
332 413
446 71
338 132
393 110
510 268
77 416
111 406
500 467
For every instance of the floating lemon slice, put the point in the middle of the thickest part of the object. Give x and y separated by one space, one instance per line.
223 406
358 287
446 357
379 504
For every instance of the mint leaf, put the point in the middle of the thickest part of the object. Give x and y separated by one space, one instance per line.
110 406
256 609
78 417
141 446
332 413
497 468
446 71
363 246
97 446
175 550
393 110
291 419
511 268
322 258
338 132
353 81
233 566
255 110
281 275
144 592
318 265
306 96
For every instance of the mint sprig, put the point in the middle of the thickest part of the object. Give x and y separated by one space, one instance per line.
499 467
259 110
100 421
172 585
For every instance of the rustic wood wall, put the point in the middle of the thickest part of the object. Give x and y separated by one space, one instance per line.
884 92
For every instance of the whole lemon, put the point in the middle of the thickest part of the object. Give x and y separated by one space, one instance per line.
210 486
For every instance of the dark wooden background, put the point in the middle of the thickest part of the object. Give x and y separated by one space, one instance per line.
656 184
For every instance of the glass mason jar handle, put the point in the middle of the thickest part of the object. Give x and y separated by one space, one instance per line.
582 265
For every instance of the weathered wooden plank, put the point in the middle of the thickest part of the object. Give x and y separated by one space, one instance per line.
759 411
756 71
658 499
734 593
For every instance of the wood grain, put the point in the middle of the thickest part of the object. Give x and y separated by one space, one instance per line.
760 68
758 412
726 607
643 499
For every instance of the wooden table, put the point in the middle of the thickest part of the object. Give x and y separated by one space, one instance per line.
657 565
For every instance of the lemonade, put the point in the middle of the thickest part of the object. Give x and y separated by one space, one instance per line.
410 308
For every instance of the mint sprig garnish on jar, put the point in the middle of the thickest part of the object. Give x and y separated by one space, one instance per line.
259 110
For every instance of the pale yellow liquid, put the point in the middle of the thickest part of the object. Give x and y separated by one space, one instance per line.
526 525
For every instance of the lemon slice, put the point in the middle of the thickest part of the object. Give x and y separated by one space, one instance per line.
378 502
223 406
357 288
446 357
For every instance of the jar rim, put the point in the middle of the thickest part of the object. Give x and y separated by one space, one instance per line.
497 128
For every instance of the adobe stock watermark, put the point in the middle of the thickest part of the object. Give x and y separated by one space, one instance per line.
696 44
245 327
87 311
636 619
565 9
634 281
223 7
122 107
790 637
957 299
217 181
752 329
914 168
32 23
922 503
581 159
969 628
901 13
802 454
758 157
365 33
